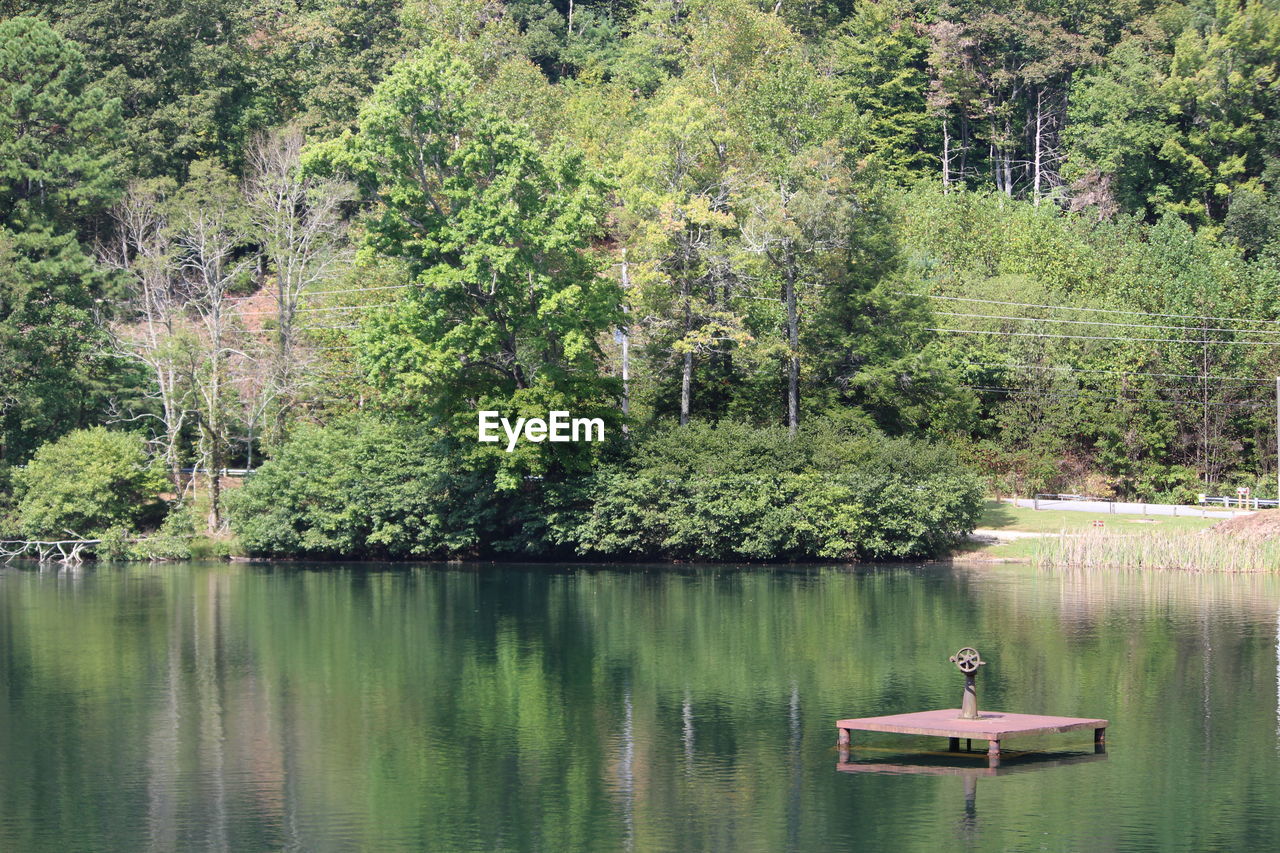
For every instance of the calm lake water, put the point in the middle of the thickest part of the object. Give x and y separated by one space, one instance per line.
244 707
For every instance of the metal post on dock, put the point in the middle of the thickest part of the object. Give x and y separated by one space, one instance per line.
968 660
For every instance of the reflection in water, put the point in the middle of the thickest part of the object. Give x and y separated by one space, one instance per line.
949 764
626 772
234 707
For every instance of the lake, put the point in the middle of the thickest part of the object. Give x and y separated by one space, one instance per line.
475 707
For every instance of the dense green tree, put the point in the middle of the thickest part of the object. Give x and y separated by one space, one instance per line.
1182 129
58 172
85 483
315 61
366 487
508 300
183 71
881 58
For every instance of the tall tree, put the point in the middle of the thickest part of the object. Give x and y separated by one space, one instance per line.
508 301
801 225
678 188
880 56
211 228
802 197
58 172
297 219
152 328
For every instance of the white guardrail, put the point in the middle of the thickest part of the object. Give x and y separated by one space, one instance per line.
1239 503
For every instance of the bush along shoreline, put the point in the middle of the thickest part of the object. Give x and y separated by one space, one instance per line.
367 487
370 489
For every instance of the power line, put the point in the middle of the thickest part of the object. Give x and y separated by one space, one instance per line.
1103 323
1116 399
1095 310
1112 372
1101 338
331 292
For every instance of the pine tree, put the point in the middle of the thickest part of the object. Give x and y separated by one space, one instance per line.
58 171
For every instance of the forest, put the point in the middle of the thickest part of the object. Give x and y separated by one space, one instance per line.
828 271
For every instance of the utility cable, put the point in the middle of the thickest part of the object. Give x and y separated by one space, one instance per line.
1094 310
1101 338
1105 323
1009 365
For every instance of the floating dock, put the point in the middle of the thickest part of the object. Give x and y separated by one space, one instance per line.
995 727
950 764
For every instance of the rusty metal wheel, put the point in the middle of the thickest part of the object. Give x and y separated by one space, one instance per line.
967 660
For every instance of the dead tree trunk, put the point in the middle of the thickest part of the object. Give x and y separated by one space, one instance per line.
793 353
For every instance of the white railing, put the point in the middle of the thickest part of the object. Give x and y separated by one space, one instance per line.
1230 506
223 472
1239 502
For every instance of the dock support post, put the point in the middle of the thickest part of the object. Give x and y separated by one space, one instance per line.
953 744
993 753
1099 740
842 740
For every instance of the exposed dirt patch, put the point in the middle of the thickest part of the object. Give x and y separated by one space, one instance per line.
1264 524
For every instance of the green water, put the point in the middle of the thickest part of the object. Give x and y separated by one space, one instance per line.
242 707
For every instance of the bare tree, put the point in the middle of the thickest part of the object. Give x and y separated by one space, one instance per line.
144 249
210 233
297 220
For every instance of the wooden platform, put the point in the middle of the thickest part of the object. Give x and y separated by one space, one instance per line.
992 726
932 764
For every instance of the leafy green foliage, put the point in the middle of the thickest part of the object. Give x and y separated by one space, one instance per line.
363 487
58 171
748 210
731 492
880 55
372 488
507 302
86 482
1113 403
1184 128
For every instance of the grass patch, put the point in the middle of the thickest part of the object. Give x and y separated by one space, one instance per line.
1047 525
998 515
205 547
1173 550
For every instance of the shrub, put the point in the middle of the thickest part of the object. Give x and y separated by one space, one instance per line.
86 482
172 541
733 492
361 487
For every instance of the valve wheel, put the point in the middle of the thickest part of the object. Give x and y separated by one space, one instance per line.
967 660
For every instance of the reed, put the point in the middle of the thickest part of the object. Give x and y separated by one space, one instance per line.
1199 551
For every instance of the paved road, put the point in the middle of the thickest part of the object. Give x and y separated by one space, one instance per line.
1130 508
